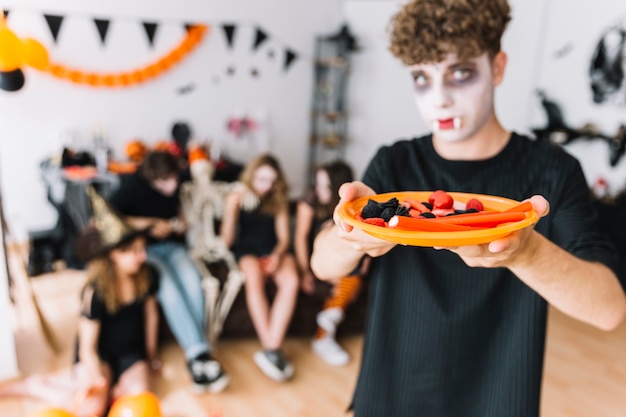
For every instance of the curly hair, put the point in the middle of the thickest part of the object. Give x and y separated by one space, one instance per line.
101 274
277 198
426 31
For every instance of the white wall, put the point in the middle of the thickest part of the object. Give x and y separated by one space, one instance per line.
380 104
34 118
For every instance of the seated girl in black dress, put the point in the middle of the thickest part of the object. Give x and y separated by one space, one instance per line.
260 241
117 330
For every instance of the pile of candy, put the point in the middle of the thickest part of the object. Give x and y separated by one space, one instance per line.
439 213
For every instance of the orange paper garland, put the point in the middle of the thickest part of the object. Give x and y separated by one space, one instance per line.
195 34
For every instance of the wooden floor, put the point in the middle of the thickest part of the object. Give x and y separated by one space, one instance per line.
585 373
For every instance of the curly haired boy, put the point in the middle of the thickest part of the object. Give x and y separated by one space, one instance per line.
460 331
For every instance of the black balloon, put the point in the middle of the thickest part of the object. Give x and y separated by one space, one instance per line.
11 80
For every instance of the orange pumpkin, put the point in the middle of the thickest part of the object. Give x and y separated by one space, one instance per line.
136 150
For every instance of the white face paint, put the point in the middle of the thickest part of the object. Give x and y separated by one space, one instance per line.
263 180
454 97
322 187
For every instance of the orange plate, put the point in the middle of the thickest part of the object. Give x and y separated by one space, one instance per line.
347 212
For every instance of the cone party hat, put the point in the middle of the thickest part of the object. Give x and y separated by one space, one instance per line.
111 227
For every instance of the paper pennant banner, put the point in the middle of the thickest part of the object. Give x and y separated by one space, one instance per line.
259 38
54 23
103 28
229 32
150 29
188 26
290 57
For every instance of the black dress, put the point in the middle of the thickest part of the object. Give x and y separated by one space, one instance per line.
256 234
122 338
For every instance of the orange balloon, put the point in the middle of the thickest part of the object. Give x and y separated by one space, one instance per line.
35 54
167 62
58 71
124 79
51 412
186 47
137 76
177 54
11 50
109 80
93 79
76 76
153 70
145 404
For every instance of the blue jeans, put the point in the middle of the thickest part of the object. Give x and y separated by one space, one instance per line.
180 295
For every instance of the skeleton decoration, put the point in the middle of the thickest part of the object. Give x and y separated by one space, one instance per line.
203 204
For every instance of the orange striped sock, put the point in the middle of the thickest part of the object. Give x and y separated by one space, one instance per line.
344 291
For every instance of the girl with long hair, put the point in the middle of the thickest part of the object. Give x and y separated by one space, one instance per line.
260 241
314 213
116 346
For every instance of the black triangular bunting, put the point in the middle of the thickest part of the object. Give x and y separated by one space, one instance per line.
259 38
103 28
150 29
6 13
290 56
54 24
229 31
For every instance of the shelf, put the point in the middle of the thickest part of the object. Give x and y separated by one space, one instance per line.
332 62
331 116
329 141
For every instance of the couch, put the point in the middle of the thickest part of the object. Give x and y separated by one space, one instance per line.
239 325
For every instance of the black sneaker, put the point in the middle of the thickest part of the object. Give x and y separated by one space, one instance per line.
274 364
207 374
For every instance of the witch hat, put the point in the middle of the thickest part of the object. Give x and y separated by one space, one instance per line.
106 231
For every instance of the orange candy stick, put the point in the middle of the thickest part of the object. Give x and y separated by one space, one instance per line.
425 225
416 205
481 219
522 207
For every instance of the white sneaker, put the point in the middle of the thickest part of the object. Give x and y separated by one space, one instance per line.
328 349
329 319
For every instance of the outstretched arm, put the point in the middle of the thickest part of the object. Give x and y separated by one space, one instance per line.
338 249
587 291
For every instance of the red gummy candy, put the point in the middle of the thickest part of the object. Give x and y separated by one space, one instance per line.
443 201
474 204
431 198
376 221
